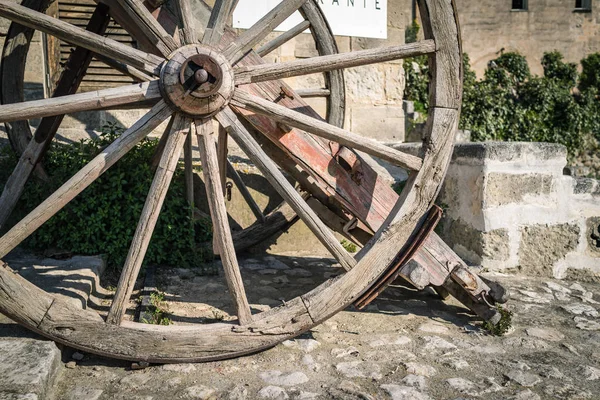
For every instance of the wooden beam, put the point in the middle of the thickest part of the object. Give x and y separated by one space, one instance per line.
319 92
244 139
97 100
323 129
269 72
147 223
283 38
84 177
218 211
247 40
218 20
151 28
188 23
80 37
189 169
222 150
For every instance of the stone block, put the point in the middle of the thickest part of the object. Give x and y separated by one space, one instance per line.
474 245
365 84
502 188
28 367
544 245
383 123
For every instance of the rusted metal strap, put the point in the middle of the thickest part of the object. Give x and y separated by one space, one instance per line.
404 256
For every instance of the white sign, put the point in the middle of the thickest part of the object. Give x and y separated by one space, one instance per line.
361 18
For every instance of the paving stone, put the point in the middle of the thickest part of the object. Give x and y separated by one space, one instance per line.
310 362
387 340
590 373
199 392
586 324
416 381
550 334
274 263
238 393
557 287
341 353
432 327
135 380
273 392
525 379
359 369
457 364
527 395
461 385
87 393
354 389
15 396
398 392
28 366
436 342
567 391
420 369
278 378
581 309
298 272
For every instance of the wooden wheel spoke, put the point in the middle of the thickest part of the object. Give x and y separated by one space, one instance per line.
188 151
283 38
268 72
237 179
325 130
269 169
98 100
150 27
218 20
247 40
319 92
188 31
150 213
84 177
222 232
80 37
222 151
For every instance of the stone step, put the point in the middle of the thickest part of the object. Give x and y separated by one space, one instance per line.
29 364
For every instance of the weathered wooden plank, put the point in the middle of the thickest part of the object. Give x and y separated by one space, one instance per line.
153 30
268 72
247 40
97 100
222 151
441 25
218 211
150 213
218 20
188 160
84 177
80 37
330 132
283 38
188 24
269 169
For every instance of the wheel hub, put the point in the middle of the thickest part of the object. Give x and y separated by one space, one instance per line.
197 81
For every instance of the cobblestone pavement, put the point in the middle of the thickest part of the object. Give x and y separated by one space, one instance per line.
406 345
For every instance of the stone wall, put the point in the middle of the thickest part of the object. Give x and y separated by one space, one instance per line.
509 207
489 26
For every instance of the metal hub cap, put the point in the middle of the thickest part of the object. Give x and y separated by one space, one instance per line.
197 81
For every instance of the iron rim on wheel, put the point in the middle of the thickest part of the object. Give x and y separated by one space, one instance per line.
87 330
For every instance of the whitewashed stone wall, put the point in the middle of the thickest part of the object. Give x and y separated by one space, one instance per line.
509 207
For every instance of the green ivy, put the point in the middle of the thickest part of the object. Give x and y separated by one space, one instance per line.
511 104
104 217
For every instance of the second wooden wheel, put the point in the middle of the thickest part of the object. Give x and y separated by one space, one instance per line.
214 74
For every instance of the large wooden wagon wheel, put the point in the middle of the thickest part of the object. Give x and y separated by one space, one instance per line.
217 75
12 75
